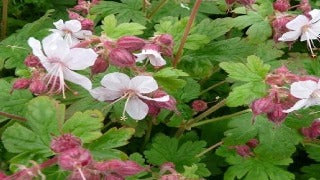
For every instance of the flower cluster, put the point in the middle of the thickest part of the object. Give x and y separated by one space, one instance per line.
72 47
73 157
280 100
245 150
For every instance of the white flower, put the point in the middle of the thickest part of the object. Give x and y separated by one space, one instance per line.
151 51
307 91
304 27
59 60
117 86
71 31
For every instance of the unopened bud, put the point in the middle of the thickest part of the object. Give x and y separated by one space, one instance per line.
154 110
281 5
130 43
64 143
277 115
121 168
305 7
165 40
170 104
32 61
263 105
230 2
252 143
22 83
87 24
199 105
121 57
313 131
99 66
74 158
243 150
38 87
79 174
246 2
73 15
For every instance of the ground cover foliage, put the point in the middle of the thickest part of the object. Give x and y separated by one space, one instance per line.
160 89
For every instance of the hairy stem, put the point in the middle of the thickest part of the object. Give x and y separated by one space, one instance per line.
144 5
4 21
186 32
12 116
220 118
210 149
156 9
213 86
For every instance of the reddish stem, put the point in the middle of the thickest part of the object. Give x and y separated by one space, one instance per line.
12 116
186 32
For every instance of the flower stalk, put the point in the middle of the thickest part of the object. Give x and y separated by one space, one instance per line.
186 32
4 21
156 9
12 116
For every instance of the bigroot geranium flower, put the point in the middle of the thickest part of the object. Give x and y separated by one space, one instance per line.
59 60
118 86
307 91
151 52
71 31
305 28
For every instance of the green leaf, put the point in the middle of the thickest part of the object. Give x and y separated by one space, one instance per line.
126 11
245 94
311 171
19 139
42 117
85 125
190 91
14 102
165 149
169 79
112 30
103 148
313 152
14 49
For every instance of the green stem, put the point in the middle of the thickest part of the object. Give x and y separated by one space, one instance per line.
156 9
220 118
4 20
210 149
208 112
144 5
106 126
186 32
148 133
12 116
213 86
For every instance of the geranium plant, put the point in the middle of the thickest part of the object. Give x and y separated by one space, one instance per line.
160 89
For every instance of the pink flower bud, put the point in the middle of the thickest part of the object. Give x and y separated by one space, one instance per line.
243 150
65 142
99 66
73 15
32 61
3 176
121 57
313 131
282 70
37 87
170 105
277 115
95 1
305 78
172 177
87 24
199 105
279 27
154 110
154 47
281 5
252 143
167 165
130 43
246 2
74 158
22 83
165 40
121 168
305 7
263 105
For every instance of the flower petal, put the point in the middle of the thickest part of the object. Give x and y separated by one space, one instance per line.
80 58
315 14
298 22
104 94
140 57
59 25
303 89
290 36
156 58
300 104
143 84
73 25
36 48
136 108
115 81
55 47
77 78
82 34
160 99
